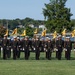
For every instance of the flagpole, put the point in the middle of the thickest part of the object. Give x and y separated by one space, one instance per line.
7 28
74 43
74 34
16 33
74 38
25 30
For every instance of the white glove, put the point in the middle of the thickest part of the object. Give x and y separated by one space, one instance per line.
56 49
23 49
34 49
1 48
65 49
11 49
74 49
44 49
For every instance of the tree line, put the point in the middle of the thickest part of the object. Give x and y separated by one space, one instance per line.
12 24
57 17
16 22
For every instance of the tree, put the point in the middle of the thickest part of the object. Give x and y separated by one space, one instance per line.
20 30
57 16
2 31
29 31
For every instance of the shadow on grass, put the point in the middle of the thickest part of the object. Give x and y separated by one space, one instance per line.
41 58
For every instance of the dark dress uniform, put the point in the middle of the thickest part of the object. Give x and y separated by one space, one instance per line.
65 48
37 45
33 45
59 46
68 46
14 46
74 45
45 48
49 48
26 44
18 48
42 45
9 48
56 51
54 46
0 45
22 48
4 45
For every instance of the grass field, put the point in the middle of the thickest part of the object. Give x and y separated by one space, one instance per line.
38 67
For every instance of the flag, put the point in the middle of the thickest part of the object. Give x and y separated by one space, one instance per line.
24 33
73 33
14 31
7 32
36 31
44 33
55 34
64 32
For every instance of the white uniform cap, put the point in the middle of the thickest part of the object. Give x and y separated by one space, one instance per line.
8 38
37 36
59 36
15 37
67 37
42 39
18 37
26 36
49 38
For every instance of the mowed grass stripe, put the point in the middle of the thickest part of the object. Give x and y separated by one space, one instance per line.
38 67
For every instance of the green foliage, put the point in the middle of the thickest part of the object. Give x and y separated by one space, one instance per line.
72 24
20 30
16 22
2 31
57 15
29 31
12 24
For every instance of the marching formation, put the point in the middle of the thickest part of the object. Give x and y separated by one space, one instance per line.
35 45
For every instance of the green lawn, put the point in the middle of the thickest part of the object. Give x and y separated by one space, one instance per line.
38 67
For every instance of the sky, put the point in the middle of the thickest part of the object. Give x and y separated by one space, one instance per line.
12 9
